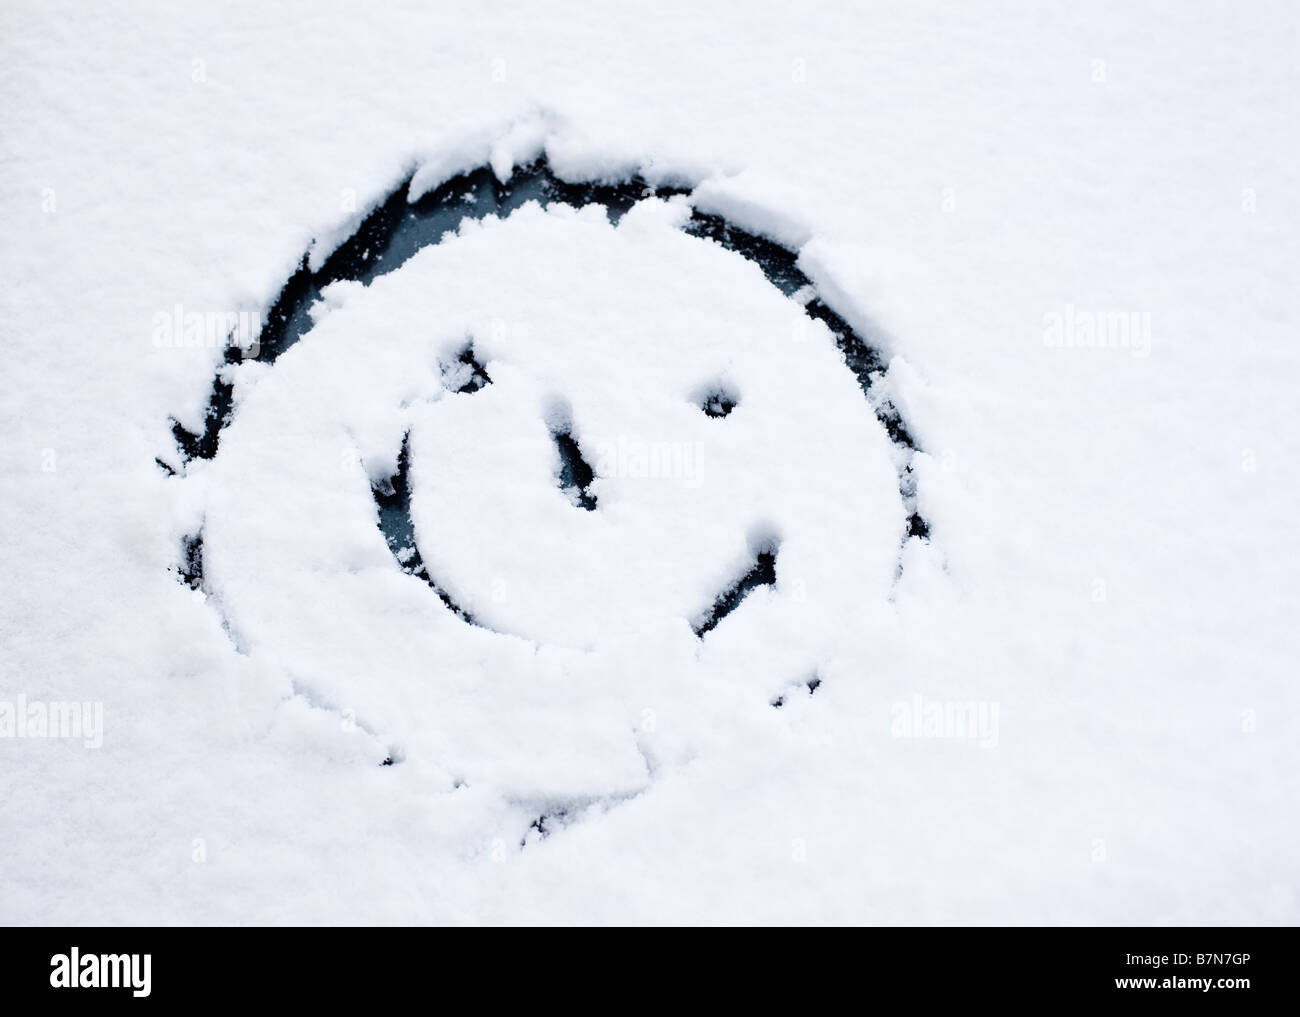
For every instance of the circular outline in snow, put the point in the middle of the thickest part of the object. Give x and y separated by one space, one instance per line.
397 228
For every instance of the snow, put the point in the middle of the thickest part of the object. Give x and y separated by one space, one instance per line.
1110 561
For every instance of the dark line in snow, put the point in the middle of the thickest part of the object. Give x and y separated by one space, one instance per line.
393 501
576 475
811 684
777 262
553 815
762 573
190 569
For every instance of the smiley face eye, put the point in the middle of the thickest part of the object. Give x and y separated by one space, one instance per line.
718 401
576 474
465 374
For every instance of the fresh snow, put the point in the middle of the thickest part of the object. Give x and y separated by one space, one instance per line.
1109 581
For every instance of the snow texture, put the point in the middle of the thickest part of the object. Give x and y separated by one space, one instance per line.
1007 637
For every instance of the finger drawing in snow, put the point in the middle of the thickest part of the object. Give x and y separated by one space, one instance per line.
641 464
519 464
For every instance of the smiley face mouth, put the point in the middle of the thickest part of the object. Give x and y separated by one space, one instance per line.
397 229
393 502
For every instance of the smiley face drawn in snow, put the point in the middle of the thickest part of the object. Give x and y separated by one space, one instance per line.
591 624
